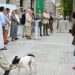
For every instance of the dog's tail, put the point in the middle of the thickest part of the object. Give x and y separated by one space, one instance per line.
31 55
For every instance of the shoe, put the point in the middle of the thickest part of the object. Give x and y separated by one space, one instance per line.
12 39
41 35
8 41
16 38
47 34
4 48
22 36
7 72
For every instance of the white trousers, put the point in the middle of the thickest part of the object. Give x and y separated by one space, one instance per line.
3 62
1 37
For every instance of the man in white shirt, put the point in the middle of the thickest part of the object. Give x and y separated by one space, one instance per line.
2 23
3 64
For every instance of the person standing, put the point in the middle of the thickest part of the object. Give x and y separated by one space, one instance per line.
33 22
8 21
7 24
14 25
45 22
28 23
3 64
51 24
23 23
39 17
3 23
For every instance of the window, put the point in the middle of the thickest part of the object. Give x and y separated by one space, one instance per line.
21 5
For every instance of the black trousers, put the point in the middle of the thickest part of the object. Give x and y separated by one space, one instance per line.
51 27
45 29
40 26
73 42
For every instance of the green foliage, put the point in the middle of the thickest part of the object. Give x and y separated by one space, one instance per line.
7 1
67 7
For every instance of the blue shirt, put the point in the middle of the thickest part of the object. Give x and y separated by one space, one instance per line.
2 19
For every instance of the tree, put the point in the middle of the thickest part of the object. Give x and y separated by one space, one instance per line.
67 7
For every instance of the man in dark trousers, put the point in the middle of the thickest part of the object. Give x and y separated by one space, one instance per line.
23 23
39 17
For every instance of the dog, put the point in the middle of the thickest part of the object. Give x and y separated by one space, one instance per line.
26 62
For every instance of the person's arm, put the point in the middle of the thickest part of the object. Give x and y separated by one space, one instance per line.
3 19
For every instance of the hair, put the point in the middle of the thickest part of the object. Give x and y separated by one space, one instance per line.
73 15
1 8
7 9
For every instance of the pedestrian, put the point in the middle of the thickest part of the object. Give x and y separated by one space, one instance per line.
14 25
2 28
3 64
28 27
45 22
7 24
8 21
73 31
39 17
33 22
23 22
51 24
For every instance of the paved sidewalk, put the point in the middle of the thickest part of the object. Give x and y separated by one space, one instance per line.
54 54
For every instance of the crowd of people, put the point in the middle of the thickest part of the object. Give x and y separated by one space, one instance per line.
28 23
29 19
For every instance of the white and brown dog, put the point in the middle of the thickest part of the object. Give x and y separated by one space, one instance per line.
27 62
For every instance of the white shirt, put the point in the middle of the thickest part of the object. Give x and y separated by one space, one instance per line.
2 19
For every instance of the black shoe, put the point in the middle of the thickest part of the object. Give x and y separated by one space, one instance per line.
8 41
16 38
40 34
7 72
47 34
4 48
22 36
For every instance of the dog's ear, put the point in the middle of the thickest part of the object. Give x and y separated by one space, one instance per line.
15 57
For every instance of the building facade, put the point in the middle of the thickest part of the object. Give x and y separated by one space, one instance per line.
3 1
73 5
50 7
58 8
36 4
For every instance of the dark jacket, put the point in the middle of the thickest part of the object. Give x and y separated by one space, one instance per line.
73 29
73 33
23 19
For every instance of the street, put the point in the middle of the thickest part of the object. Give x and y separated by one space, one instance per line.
54 54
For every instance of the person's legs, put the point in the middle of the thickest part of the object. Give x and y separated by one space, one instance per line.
46 28
3 64
23 30
40 25
51 28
